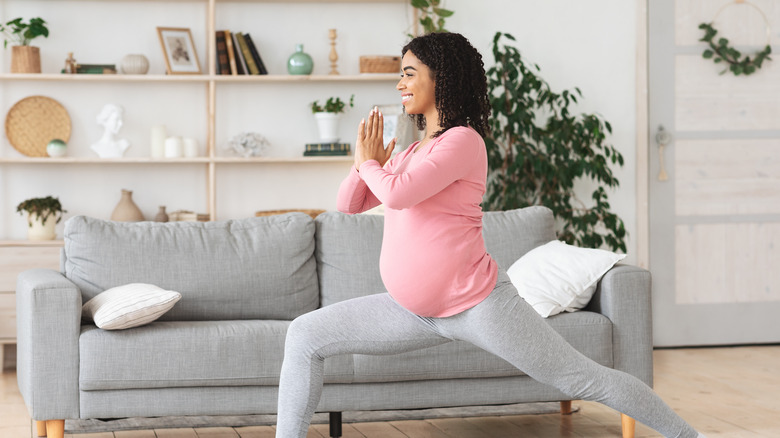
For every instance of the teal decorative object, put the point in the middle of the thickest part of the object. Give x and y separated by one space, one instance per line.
300 63
56 148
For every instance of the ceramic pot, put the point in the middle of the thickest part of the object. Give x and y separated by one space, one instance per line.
39 230
126 210
162 216
135 64
328 125
299 62
56 148
25 59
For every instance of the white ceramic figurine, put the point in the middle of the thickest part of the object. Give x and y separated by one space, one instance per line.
110 118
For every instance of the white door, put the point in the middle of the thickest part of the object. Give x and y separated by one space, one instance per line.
715 220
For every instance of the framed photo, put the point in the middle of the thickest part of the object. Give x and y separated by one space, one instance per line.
179 50
398 124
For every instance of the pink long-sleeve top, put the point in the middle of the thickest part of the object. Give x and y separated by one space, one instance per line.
433 260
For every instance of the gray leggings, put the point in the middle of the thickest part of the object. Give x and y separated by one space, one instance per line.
503 324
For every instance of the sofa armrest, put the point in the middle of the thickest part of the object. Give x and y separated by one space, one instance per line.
623 296
48 311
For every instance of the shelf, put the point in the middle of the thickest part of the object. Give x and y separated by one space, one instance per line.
39 243
54 77
197 160
96 160
281 160
368 77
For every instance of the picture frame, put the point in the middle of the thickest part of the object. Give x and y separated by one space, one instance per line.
178 51
399 125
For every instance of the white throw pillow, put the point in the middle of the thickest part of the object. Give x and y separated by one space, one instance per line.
128 306
555 276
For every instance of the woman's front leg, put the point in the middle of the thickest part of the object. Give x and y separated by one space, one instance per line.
375 324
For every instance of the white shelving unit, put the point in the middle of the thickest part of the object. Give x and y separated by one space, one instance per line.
211 82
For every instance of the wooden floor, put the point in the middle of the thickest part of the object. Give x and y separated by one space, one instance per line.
723 392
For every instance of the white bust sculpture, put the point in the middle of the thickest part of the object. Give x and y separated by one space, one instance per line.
108 146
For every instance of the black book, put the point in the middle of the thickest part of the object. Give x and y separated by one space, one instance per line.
223 62
240 63
255 54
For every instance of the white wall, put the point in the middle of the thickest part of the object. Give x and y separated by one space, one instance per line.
585 44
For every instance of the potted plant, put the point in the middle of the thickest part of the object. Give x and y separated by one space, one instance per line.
539 148
24 57
328 116
431 15
42 215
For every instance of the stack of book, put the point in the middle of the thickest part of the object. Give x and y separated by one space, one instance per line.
326 149
237 55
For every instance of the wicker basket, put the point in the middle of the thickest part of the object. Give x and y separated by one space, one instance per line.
380 64
312 213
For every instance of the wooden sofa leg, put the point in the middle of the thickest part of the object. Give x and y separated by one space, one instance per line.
566 407
55 428
335 424
629 425
41 428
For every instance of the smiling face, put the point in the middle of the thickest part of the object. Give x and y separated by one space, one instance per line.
417 87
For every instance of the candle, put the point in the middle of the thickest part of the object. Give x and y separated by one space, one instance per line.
158 141
191 147
173 147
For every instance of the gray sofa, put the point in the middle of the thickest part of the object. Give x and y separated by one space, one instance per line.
219 350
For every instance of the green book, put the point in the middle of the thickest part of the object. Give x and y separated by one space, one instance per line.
250 62
324 153
317 147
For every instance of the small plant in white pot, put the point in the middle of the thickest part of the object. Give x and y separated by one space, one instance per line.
42 216
328 116
24 57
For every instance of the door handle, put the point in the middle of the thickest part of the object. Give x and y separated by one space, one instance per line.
663 138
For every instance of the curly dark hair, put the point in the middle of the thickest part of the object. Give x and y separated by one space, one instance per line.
458 73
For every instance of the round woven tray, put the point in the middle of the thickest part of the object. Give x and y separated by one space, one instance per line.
33 122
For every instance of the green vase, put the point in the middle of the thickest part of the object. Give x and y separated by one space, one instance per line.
300 63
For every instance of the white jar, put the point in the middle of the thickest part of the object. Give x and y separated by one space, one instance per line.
191 148
174 147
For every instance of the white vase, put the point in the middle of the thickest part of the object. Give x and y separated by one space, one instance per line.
39 230
328 125
135 64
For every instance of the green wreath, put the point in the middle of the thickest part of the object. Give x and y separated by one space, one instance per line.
722 52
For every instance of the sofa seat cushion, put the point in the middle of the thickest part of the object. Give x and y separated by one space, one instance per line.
246 353
254 268
590 333
189 354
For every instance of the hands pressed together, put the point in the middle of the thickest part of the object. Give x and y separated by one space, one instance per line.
368 145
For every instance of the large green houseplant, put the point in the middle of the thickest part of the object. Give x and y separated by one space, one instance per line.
24 57
539 150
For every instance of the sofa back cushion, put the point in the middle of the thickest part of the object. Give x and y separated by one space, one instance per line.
256 268
348 247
